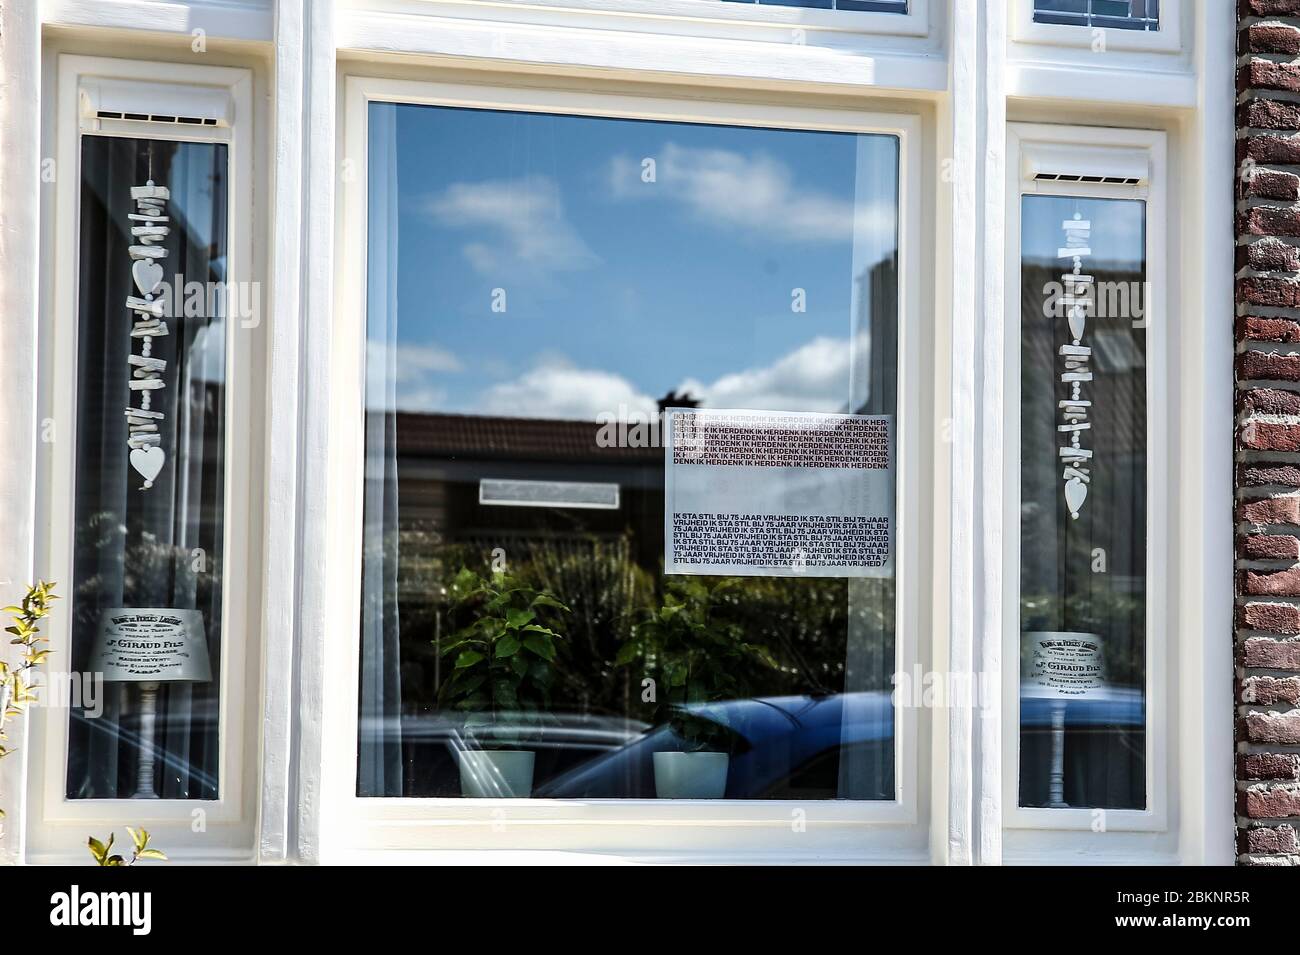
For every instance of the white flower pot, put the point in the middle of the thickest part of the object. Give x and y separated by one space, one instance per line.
496 773
691 775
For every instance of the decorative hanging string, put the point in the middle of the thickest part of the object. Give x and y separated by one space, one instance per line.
1080 289
148 230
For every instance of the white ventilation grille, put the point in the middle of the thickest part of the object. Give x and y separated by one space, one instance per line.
1085 165
165 104
157 118
1068 177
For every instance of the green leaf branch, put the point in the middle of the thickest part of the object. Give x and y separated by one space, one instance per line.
17 688
103 854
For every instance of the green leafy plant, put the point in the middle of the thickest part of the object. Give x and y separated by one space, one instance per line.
16 687
697 651
506 651
17 691
102 852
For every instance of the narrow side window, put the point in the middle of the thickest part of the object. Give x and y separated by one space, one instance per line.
150 463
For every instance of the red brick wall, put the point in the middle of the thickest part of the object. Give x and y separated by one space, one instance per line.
1268 432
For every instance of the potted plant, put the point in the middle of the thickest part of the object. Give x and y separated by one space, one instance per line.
504 664
698 656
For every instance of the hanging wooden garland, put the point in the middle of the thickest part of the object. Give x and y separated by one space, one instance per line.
1077 357
148 230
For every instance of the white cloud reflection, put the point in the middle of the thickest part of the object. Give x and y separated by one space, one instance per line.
812 377
414 375
556 389
520 226
722 188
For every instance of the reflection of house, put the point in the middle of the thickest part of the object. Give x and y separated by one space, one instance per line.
443 458
874 385
1116 501
1118 356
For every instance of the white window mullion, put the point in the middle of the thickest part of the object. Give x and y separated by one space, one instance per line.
20 170
319 619
279 609
978 114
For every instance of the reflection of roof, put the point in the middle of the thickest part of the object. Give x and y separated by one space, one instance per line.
1118 393
483 436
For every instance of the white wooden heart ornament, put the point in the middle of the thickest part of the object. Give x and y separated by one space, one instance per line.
1075 492
148 461
1077 318
149 322
148 275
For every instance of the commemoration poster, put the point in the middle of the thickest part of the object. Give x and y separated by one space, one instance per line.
778 494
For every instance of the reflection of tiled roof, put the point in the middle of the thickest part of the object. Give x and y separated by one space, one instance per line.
482 436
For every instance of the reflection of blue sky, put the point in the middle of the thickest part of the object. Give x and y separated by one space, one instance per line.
1118 230
618 290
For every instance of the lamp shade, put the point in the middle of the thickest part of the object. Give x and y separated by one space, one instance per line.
151 645
1062 664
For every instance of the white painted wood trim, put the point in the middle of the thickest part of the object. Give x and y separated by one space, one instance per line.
1205 767
962 113
1106 89
320 621
690 54
632 15
977 114
218 19
990 474
284 342
1075 64
20 171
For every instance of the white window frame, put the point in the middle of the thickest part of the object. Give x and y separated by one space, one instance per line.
57 825
679 38
680 828
1167 39
1028 143
673 14
297 54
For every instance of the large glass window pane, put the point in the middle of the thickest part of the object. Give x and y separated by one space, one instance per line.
1083 503
540 288
147 550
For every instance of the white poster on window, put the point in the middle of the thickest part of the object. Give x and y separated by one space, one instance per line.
1062 665
151 644
778 494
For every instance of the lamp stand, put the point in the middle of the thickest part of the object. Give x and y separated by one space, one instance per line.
144 782
1056 782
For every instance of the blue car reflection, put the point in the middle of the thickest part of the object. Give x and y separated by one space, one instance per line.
1113 706
788 747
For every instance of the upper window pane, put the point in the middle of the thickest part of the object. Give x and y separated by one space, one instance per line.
864 6
540 287
1083 503
147 545
1113 14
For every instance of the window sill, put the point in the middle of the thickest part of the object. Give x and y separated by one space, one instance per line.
629 857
